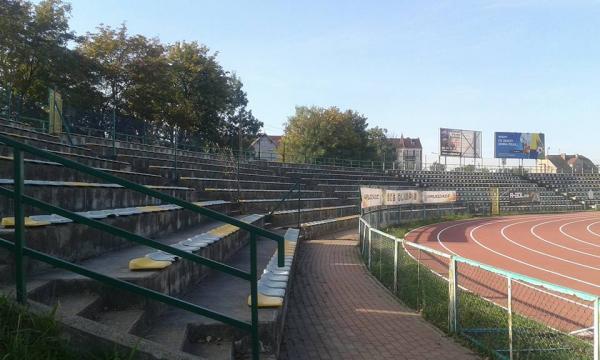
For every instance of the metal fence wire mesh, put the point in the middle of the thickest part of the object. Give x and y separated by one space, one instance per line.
504 314
482 307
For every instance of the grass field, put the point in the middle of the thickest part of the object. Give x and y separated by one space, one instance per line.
483 324
25 335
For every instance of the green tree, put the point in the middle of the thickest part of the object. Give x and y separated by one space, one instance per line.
381 149
166 89
33 44
314 132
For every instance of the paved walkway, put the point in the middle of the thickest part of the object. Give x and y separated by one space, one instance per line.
337 310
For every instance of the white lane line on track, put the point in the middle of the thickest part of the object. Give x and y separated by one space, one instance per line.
589 228
503 233
532 231
555 295
471 234
440 241
562 231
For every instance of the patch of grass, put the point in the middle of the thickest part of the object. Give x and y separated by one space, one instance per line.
401 230
483 324
25 335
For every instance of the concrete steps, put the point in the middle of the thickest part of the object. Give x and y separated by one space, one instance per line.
87 196
77 242
204 183
172 330
290 217
47 170
230 173
266 205
313 229
221 293
245 194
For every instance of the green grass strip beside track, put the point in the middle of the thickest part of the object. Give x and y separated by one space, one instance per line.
483 325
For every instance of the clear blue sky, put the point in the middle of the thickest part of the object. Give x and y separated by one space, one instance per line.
410 66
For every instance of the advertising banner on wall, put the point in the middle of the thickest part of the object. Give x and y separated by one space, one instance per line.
370 197
511 145
401 197
523 197
460 143
438 197
377 197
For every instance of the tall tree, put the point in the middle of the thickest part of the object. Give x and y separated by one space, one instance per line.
314 132
33 41
380 147
148 84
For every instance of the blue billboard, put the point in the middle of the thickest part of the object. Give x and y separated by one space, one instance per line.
511 145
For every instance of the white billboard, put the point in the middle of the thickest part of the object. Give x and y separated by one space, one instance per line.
460 143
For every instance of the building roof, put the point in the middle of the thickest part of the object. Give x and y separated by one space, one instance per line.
566 162
406 143
275 139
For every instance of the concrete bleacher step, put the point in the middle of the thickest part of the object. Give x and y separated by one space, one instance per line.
25 130
232 193
230 173
88 160
51 145
86 196
141 162
313 229
219 292
288 217
204 183
124 313
77 242
47 170
266 205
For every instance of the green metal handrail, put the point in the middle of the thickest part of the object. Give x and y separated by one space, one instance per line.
20 250
298 186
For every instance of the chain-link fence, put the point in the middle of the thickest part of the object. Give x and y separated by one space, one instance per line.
504 314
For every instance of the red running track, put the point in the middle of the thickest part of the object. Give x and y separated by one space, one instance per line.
560 249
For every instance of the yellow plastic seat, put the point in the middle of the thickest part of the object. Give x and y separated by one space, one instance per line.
290 246
223 230
267 301
145 263
10 222
150 208
77 183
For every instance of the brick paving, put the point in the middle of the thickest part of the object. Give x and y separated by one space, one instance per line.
337 310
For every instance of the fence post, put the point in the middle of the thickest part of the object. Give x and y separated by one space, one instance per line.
396 242
452 298
369 263
113 133
19 225
254 297
510 328
597 329
360 236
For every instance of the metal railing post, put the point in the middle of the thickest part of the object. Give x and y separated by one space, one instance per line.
114 133
597 329
19 225
510 322
452 298
175 154
369 248
299 205
396 244
254 297
360 237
